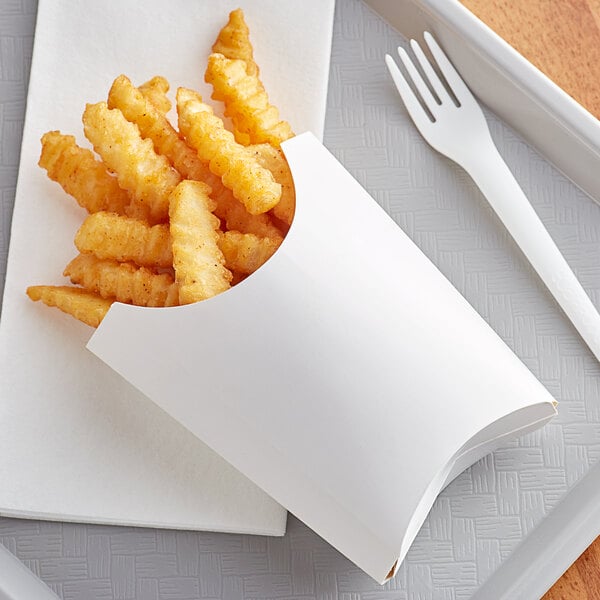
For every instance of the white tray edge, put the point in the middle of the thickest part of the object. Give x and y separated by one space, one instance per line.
551 548
521 95
18 582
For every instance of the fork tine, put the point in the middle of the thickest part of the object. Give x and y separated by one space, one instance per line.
430 102
436 82
457 85
413 106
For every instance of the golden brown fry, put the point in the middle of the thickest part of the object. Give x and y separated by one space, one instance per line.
235 217
246 252
255 120
199 264
155 126
112 236
252 184
123 281
233 213
237 278
148 176
155 90
81 304
233 41
281 225
80 174
273 159
139 211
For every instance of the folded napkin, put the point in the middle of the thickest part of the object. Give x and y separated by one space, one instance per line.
78 442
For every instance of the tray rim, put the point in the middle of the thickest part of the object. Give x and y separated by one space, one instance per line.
563 131
552 547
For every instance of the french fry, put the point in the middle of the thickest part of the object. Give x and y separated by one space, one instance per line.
237 278
273 159
155 126
199 264
158 197
255 120
155 90
81 304
148 176
281 225
139 211
122 281
80 174
246 252
235 216
252 184
111 236
233 41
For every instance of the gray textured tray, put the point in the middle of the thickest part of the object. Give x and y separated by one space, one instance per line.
505 528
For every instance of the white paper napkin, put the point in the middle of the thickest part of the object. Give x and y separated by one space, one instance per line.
78 442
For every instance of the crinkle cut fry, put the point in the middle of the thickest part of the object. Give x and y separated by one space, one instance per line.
245 252
87 307
148 176
124 96
233 213
155 90
198 261
81 175
233 41
235 216
154 125
252 184
255 120
273 159
123 281
111 236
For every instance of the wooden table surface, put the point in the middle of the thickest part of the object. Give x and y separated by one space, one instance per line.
562 39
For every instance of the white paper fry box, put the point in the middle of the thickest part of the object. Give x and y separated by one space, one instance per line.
78 443
346 358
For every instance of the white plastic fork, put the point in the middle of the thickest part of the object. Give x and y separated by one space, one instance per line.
461 133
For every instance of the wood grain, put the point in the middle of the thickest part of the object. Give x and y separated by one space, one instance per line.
582 580
560 37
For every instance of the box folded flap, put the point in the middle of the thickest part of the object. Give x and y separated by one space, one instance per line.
347 357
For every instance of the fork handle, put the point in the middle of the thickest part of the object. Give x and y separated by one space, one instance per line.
498 185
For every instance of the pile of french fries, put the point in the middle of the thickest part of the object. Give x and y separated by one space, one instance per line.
175 215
